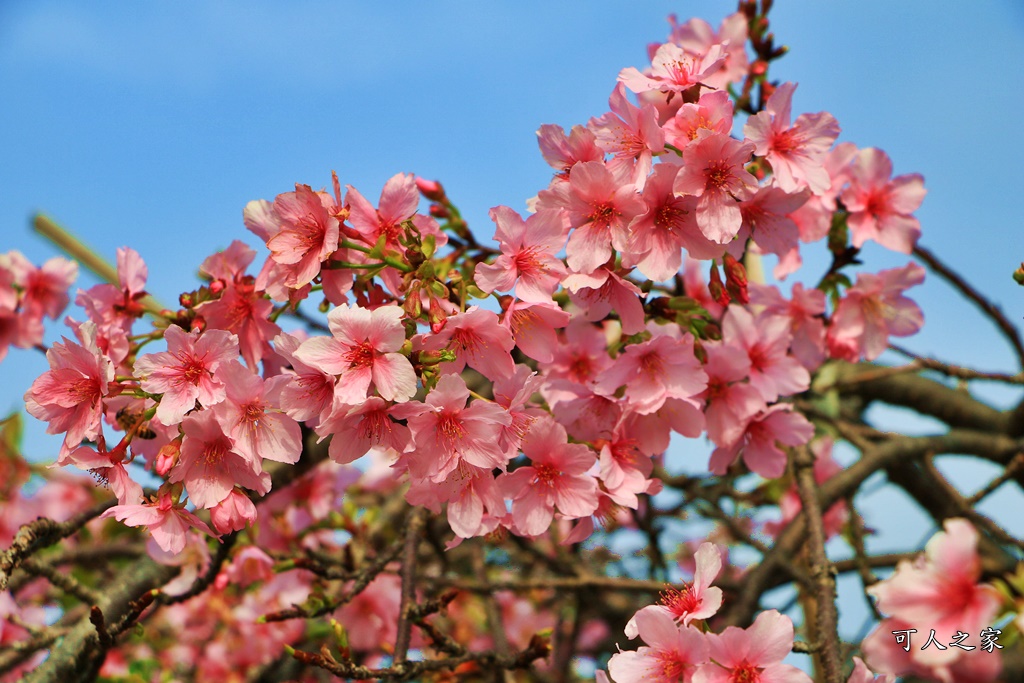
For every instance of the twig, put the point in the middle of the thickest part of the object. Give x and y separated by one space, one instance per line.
867 578
65 581
42 533
580 583
957 371
405 671
1012 470
206 580
362 580
987 307
967 510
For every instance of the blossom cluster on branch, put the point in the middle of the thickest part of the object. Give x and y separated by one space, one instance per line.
523 394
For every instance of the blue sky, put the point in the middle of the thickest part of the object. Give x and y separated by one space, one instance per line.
152 124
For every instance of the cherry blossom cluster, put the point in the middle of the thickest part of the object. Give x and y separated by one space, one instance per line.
28 293
938 593
530 387
588 365
676 649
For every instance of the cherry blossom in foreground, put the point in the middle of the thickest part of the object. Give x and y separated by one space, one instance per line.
187 371
363 352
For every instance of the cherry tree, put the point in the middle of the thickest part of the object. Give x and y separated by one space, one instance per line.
388 448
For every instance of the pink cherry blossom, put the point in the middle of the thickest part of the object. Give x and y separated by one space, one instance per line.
759 442
478 340
355 429
602 291
513 393
653 430
883 653
185 372
672 653
21 330
881 206
697 600
447 432
241 309
668 225
556 477
363 351
399 200
630 134
796 152
251 416
211 464
625 469
588 416
234 513
475 504
600 206
804 312
580 356
113 308
942 592
766 219
310 393
712 113
814 219
108 466
44 290
674 70
167 521
773 372
730 400
533 327
69 396
752 655
713 171
697 37
872 310
527 259
655 370
861 674
562 151
307 233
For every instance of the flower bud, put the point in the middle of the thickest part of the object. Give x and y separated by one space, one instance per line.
167 457
431 189
715 287
736 279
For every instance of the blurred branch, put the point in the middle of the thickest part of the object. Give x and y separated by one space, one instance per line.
993 312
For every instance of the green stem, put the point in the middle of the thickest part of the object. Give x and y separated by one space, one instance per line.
345 244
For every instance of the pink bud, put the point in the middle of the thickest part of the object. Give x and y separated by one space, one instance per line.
431 189
736 279
167 457
715 287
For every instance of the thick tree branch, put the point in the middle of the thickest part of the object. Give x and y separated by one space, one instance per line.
826 629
